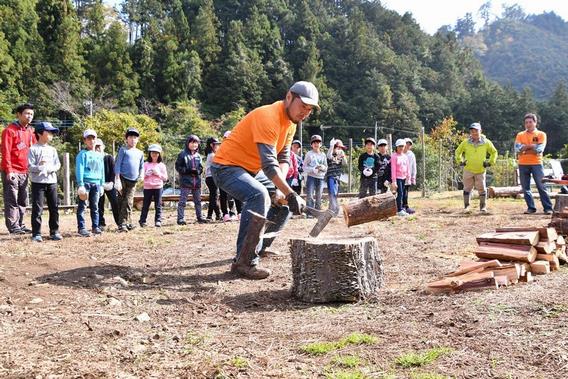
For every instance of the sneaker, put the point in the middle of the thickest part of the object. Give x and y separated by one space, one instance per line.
226 218
235 218
250 272
130 227
209 219
55 236
484 210
467 210
143 224
158 224
530 211
410 211
202 221
37 238
25 230
84 233
181 222
122 228
402 213
548 211
97 231
17 232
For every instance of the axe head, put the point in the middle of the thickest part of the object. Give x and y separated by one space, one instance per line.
323 218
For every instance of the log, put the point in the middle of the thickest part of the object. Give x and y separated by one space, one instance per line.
465 282
515 238
511 271
546 257
545 247
493 192
475 266
554 264
544 232
560 224
561 206
561 254
336 270
560 241
525 267
506 252
372 208
540 267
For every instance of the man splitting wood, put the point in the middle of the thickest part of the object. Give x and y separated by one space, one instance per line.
475 154
251 166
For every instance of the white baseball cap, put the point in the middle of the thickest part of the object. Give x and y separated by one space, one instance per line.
400 142
408 140
382 141
155 147
89 132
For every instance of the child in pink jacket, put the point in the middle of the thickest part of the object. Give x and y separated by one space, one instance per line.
400 174
155 174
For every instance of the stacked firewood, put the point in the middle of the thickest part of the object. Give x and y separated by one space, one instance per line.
507 256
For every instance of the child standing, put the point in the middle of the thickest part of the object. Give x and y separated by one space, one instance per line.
411 174
189 167
335 161
400 174
128 170
315 166
89 173
368 165
155 174
384 170
43 164
108 186
212 146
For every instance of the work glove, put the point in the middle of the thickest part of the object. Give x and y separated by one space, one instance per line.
294 182
100 191
296 204
368 172
486 164
81 191
118 185
108 186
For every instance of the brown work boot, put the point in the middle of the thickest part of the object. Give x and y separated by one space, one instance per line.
250 272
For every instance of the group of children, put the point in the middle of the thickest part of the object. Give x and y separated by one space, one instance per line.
379 171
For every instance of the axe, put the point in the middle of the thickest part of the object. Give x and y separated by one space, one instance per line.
323 217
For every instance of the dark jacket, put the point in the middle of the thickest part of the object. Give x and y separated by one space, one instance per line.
384 170
369 161
189 167
108 161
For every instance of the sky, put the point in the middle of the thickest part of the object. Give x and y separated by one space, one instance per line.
431 14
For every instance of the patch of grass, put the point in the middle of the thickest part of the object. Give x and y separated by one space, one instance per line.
554 311
420 359
427 375
321 348
239 362
346 375
192 340
347 361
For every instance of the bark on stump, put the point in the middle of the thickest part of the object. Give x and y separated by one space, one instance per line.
345 270
370 208
560 215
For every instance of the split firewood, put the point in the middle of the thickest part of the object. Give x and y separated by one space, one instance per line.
502 281
546 257
554 264
465 282
544 232
506 252
517 238
528 278
561 241
525 267
475 267
540 267
511 271
545 247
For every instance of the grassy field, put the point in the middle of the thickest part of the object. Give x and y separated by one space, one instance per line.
161 303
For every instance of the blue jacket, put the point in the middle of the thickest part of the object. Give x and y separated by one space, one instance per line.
189 167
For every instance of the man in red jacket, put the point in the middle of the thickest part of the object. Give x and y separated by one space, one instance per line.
17 138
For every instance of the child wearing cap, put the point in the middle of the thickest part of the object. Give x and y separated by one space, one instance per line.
43 164
129 168
384 169
108 185
368 164
189 167
400 174
315 167
89 173
212 146
294 177
335 162
155 174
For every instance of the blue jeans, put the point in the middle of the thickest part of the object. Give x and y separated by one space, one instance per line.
537 172
400 189
314 192
93 191
254 193
333 190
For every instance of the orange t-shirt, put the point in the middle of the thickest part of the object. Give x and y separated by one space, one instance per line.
268 125
530 157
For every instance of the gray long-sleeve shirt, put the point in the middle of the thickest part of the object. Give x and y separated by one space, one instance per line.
45 173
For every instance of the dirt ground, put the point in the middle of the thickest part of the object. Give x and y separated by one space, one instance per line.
68 309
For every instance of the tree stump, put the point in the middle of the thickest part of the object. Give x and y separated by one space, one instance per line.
560 215
370 208
345 270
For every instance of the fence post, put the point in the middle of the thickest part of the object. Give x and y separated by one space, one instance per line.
350 179
66 180
423 163
389 139
376 125
440 166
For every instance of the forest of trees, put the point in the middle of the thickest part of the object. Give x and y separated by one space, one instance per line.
181 62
